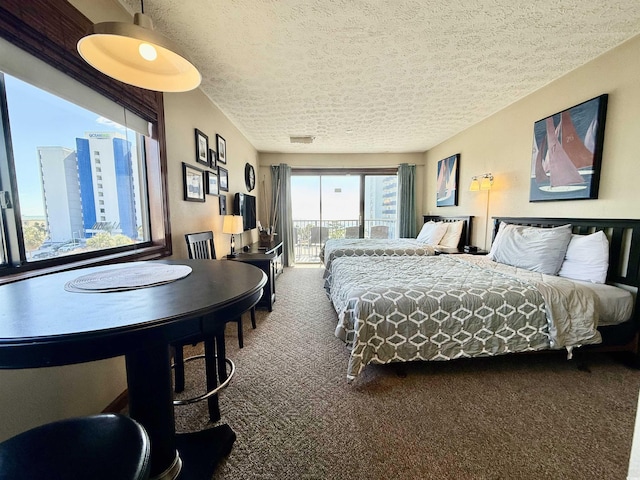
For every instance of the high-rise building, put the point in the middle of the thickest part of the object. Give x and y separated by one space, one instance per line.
105 172
90 190
61 193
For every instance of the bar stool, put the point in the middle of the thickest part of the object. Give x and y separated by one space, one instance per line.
201 246
99 447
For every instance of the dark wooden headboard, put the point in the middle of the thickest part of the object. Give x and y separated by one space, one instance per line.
465 236
624 258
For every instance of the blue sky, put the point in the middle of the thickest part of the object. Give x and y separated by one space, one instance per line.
336 205
39 119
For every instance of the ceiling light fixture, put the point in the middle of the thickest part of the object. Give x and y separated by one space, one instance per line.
135 54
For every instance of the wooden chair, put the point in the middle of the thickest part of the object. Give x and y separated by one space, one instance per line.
201 246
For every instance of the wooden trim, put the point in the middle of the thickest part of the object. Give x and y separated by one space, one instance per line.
119 405
50 30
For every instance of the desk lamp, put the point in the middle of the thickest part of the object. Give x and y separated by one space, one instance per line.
232 224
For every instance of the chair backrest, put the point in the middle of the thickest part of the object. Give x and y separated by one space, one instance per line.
200 245
380 231
319 234
352 232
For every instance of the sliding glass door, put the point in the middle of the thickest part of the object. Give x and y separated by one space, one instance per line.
328 205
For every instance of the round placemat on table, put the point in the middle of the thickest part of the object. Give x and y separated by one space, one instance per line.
128 278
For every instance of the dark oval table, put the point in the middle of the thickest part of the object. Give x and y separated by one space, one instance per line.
42 324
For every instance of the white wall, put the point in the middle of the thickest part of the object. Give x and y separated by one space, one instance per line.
502 145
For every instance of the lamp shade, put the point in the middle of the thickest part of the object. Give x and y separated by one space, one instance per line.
485 183
232 224
135 54
475 185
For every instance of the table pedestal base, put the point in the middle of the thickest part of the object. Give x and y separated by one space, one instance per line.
202 451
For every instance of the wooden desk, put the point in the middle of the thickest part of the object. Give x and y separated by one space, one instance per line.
274 247
266 263
42 324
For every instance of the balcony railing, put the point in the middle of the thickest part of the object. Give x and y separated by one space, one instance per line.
310 235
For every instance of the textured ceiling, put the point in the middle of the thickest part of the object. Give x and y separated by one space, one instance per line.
367 76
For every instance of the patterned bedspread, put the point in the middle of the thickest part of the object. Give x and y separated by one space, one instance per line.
369 247
400 309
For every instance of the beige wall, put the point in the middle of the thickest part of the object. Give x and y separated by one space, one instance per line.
377 160
502 145
32 397
184 113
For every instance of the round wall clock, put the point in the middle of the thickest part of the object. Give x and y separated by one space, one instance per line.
249 177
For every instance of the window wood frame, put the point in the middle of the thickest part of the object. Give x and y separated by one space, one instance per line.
50 30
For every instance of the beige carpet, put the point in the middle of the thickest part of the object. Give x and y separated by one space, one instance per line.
510 417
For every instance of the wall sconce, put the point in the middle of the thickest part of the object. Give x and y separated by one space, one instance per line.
481 182
232 224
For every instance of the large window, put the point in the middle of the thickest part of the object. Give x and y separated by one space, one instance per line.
340 204
79 175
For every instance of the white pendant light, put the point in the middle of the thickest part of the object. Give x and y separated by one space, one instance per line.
137 55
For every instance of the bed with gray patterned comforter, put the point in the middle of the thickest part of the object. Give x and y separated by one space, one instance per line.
370 247
401 309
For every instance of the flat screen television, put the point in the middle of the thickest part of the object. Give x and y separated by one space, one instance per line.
245 205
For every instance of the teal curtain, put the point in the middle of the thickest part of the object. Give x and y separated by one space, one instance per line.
281 203
406 201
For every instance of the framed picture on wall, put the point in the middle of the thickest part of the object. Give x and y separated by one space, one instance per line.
202 148
222 149
223 204
567 153
223 176
447 182
193 183
213 158
212 183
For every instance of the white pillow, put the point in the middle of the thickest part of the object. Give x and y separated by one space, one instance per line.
452 237
496 241
432 233
534 248
587 258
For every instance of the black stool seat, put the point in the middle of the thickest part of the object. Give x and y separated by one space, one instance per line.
95 447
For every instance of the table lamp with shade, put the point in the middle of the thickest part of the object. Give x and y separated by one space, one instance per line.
232 224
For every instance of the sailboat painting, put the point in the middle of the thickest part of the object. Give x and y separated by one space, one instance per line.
567 153
447 182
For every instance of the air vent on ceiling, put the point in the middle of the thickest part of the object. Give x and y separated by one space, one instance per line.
305 139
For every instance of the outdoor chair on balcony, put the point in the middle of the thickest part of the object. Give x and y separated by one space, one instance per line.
319 235
352 232
379 231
